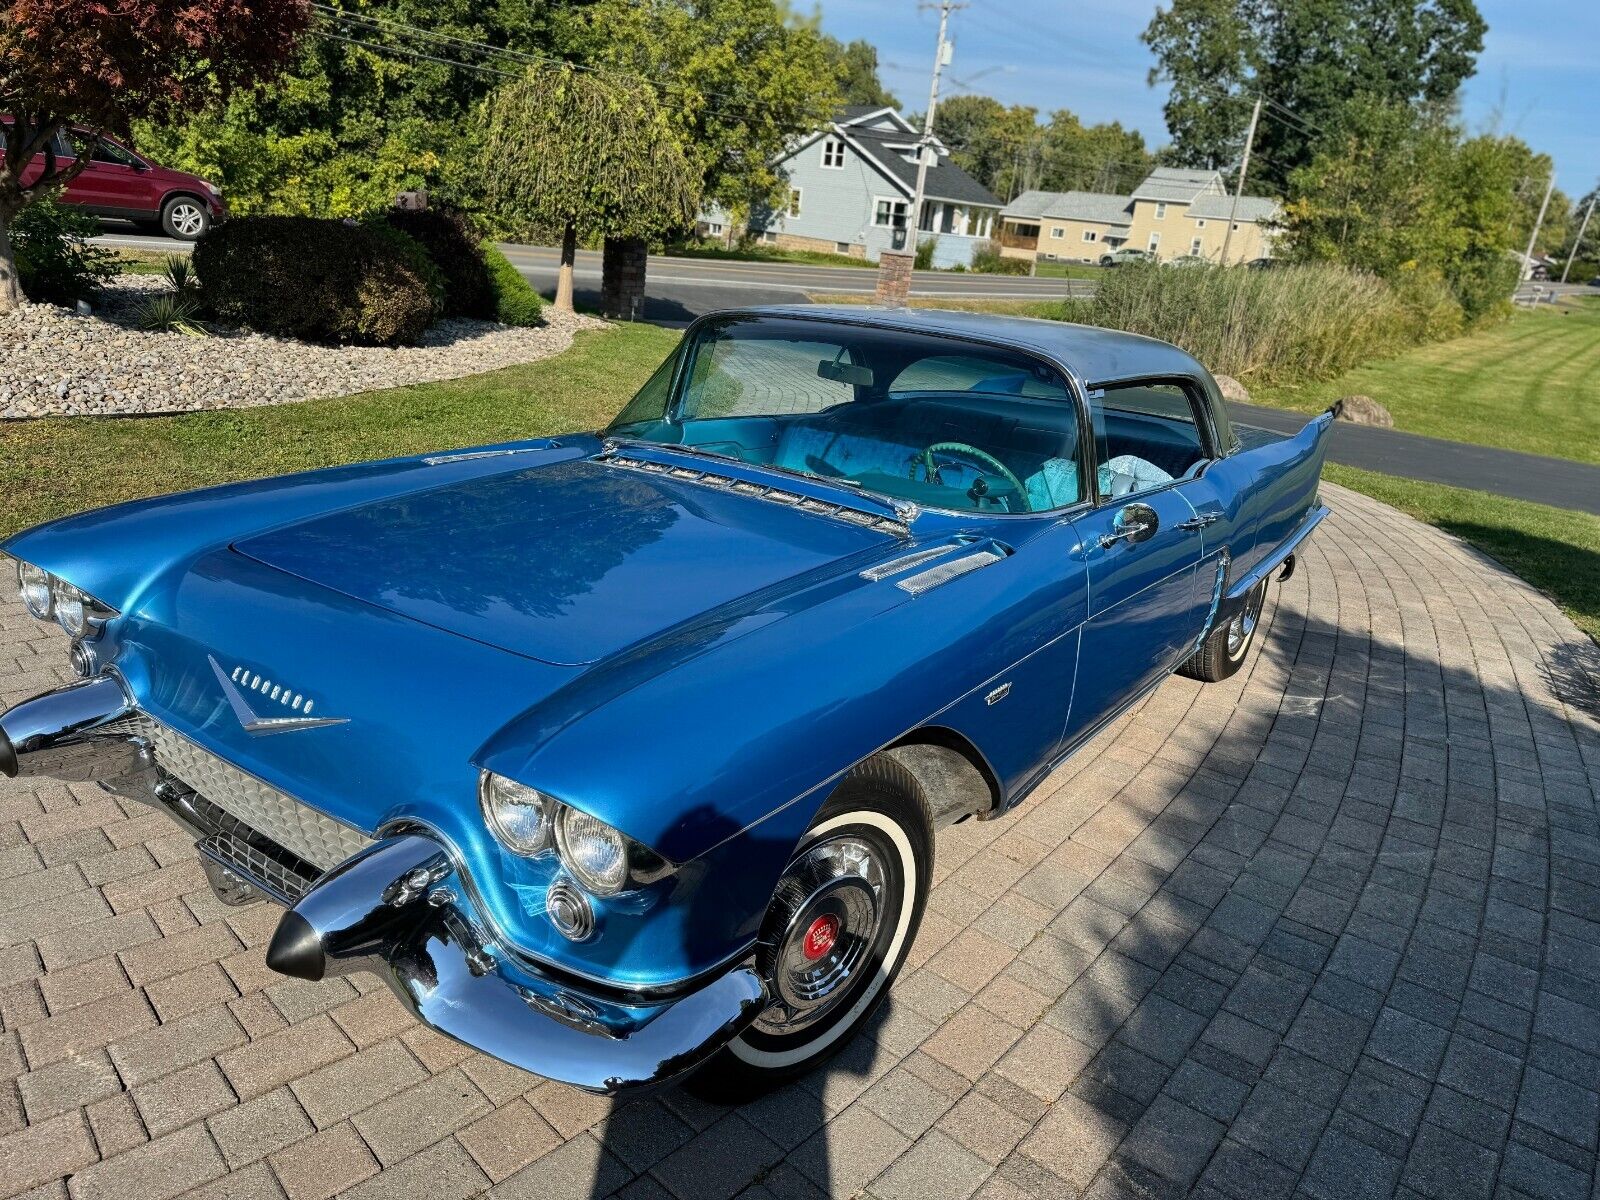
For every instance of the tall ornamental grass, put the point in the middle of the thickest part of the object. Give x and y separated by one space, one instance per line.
1287 323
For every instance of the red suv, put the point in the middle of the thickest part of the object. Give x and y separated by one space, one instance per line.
119 183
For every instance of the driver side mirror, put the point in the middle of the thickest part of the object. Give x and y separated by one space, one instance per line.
1134 523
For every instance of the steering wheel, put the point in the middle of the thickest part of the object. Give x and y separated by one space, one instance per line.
982 457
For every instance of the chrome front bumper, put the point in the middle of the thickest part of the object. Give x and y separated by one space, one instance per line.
397 907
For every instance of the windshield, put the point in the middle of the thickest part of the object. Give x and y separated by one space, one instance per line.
938 421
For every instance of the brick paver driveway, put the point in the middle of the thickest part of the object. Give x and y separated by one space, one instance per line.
1332 927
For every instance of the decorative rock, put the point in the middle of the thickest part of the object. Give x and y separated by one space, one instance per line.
101 366
1362 410
1232 389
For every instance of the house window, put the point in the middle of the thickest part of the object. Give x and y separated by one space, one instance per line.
1161 212
794 202
832 153
770 237
1155 240
1200 223
842 247
890 214
1090 235
1194 246
1056 231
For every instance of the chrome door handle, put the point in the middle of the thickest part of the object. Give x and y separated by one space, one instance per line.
1201 521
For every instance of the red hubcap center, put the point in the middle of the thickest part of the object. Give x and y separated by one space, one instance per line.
820 937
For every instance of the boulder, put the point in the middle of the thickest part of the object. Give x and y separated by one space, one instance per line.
1232 389
1362 410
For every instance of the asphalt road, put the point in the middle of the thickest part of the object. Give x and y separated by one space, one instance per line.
681 289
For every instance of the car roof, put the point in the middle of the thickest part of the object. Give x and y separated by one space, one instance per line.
1096 356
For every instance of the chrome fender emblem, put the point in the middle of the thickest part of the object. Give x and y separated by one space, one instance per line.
239 686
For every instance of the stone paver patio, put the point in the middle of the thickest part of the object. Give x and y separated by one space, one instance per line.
1331 928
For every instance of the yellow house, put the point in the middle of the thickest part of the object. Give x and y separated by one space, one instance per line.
1174 213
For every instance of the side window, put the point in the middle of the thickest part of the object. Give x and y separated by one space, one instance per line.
1146 436
107 152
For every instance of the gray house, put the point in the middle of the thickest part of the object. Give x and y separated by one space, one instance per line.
851 186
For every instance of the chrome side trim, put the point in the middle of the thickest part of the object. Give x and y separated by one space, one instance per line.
863 517
944 572
436 460
906 561
1276 557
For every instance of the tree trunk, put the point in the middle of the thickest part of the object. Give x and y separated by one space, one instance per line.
10 283
569 255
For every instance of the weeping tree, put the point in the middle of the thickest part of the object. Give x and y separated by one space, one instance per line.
586 153
91 67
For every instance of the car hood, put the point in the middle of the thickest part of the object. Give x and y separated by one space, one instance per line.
568 562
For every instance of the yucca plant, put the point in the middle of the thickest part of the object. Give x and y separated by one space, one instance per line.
169 312
180 274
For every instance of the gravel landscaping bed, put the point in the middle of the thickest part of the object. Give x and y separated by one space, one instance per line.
65 364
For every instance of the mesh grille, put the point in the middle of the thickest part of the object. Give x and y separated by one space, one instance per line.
318 839
946 571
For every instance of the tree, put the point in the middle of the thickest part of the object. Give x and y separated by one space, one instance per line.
589 153
1401 193
855 65
351 125
1009 152
97 65
740 81
1310 56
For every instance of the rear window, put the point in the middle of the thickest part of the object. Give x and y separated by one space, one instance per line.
975 373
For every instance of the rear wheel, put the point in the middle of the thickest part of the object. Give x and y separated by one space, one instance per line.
1226 647
185 218
842 919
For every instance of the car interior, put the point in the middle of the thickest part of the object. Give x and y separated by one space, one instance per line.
938 422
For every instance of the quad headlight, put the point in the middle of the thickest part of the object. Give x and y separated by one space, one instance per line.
46 596
602 859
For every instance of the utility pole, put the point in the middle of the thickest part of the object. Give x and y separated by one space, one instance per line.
1533 234
1577 242
941 59
1244 169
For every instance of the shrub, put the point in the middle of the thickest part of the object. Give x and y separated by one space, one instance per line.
415 255
455 248
317 280
925 250
56 262
1290 323
515 301
988 259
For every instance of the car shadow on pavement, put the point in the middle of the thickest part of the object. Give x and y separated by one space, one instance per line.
1354 951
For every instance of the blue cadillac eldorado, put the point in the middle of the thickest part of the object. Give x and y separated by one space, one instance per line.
621 754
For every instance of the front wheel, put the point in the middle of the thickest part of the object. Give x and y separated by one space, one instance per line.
185 218
841 921
1225 648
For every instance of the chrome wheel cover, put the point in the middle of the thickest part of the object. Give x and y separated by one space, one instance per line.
187 219
1243 627
828 910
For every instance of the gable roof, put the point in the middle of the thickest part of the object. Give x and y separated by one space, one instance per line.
1178 185
1099 207
863 114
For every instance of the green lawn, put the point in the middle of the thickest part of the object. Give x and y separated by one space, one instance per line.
765 254
1061 270
1532 383
61 465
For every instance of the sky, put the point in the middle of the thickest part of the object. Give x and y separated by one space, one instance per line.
1538 76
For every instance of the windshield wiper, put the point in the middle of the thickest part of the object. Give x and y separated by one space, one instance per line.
686 448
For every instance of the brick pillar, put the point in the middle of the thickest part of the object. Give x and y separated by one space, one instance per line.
894 277
622 271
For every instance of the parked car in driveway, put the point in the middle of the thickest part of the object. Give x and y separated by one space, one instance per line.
621 754
1187 260
1121 258
119 183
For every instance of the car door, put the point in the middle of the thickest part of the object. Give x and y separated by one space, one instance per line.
114 184
1143 543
